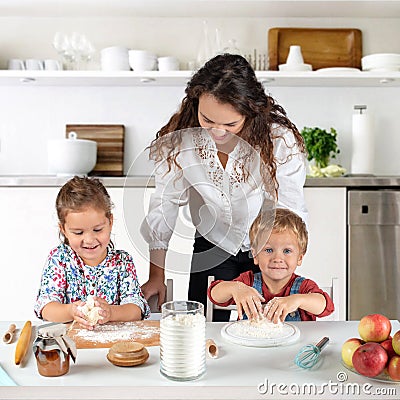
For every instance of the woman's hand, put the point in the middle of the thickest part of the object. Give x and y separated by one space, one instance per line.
247 300
279 307
155 288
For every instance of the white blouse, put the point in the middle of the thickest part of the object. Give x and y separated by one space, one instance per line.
223 203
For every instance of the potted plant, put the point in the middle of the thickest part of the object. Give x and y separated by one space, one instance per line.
321 147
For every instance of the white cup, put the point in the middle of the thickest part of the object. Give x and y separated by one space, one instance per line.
15 64
295 56
33 64
168 63
52 65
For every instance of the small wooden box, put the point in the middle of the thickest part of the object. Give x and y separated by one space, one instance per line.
110 146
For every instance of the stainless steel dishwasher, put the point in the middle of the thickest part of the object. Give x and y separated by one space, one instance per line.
374 253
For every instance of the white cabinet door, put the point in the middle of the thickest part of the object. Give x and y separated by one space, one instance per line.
28 232
326 253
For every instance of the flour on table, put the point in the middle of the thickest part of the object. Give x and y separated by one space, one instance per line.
119 331
90 311
258 329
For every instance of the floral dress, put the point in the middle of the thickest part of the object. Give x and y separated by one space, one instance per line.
67 279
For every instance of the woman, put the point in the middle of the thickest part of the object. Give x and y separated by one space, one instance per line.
228 152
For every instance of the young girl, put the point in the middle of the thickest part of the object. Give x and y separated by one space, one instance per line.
244 153
289 296
87 263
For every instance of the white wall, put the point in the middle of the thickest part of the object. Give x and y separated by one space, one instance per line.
30 116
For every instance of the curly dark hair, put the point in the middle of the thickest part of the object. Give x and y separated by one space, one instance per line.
231 80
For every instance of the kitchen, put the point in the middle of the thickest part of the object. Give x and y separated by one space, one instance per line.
33 114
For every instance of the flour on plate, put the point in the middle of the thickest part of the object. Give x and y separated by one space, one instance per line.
258 329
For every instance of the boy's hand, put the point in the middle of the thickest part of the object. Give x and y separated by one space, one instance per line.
279 307
247 300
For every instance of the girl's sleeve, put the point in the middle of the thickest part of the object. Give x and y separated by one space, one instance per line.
170 194
130 291
52 284
290 173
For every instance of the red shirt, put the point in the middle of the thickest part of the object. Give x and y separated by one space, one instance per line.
307 286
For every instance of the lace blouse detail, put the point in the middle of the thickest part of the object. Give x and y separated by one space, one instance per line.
207 152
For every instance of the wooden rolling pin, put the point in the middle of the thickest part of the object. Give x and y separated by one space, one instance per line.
8 336
23 342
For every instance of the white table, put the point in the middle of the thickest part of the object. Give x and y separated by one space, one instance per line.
239 372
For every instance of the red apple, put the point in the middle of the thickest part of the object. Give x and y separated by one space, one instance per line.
387 345
374 328
394 368
396 342
348 349
370 359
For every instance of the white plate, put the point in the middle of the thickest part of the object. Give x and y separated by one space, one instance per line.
337 70
383 377
295 67
289 334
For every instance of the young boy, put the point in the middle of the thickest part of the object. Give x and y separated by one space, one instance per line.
290 296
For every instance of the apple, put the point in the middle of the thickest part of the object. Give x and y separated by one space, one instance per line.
396 342
348 349
374 328
394 368
387 345
370 359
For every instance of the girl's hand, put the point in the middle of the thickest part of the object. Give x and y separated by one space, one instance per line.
105 311
247 300
279 307
78 316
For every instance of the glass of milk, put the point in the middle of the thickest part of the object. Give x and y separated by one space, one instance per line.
182 340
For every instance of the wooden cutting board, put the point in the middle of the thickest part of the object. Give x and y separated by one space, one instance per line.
321 47
110 147
104 336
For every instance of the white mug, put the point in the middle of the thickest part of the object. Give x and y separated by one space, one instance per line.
16 64
168 63
33 64
52 65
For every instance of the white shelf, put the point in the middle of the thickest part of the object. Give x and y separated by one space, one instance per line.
180 78
201 8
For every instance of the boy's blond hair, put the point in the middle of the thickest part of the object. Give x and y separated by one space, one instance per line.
284 220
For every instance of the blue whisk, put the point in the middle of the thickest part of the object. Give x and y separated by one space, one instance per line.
308 355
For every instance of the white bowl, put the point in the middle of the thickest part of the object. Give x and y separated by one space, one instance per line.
295 67
72 156
381 62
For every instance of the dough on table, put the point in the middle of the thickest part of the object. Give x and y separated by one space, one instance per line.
90 311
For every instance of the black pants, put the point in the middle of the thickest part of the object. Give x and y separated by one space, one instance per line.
209 259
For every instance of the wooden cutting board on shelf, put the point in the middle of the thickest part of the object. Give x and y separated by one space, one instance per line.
321 47
110 146
104 336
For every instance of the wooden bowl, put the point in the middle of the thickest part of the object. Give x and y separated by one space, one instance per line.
127 354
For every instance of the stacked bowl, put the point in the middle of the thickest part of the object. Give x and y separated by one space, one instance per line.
114 58
381 62
142 60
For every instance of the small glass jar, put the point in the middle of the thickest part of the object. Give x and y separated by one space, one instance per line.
51 362
182 340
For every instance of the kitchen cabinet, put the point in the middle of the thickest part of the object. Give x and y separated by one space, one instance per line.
326 254
31 231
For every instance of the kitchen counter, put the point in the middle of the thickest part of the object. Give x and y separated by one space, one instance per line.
146 181
239 372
